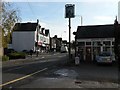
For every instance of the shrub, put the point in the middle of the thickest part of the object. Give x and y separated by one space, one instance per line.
17 55
5 58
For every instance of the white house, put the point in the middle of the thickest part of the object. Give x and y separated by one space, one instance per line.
24 36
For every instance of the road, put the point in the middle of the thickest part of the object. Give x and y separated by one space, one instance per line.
54 71
14 75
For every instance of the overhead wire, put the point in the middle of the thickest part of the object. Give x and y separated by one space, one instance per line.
28 3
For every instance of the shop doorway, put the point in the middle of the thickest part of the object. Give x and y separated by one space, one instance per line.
88 54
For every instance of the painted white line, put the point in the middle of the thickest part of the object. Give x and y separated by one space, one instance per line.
29 75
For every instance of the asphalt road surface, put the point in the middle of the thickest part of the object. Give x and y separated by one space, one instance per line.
55 71
15 75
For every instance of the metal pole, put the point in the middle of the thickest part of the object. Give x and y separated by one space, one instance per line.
81 20
37 43
37 38
75 43
69 38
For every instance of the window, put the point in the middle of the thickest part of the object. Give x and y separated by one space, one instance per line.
81 43
106 43
113 43
97 43
88 43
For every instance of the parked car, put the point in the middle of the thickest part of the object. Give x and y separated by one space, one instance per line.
105 58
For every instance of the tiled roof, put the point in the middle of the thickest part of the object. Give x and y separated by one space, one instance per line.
25 27
95 31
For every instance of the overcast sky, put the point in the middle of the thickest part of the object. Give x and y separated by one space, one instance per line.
51 13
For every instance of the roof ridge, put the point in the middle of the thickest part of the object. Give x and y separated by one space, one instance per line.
97 25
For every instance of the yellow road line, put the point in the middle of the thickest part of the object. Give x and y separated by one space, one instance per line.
22 77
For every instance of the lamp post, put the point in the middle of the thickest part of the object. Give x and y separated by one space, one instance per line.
81 19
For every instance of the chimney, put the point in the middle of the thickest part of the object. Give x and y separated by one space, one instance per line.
37 21
42 30
47 32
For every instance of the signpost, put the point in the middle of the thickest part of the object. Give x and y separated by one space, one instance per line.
69 13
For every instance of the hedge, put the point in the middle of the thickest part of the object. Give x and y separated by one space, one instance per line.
17 55
5 58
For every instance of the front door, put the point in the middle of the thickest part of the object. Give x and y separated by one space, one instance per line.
88 54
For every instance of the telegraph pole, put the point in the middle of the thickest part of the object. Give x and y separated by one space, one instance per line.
37 37
81 20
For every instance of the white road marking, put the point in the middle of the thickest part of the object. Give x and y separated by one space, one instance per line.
24 77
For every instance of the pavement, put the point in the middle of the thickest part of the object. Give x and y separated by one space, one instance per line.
28 59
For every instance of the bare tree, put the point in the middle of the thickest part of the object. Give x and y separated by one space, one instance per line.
9 17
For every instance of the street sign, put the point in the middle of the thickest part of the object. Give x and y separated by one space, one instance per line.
69 11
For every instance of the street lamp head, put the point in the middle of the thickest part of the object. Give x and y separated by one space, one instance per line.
74 33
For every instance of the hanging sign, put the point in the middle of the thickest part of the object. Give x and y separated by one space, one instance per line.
69 11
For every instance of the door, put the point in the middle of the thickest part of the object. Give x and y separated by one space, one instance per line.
88 54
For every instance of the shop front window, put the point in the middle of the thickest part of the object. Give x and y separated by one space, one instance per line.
88 43
97 43
81 43
106 49
107 43
113 43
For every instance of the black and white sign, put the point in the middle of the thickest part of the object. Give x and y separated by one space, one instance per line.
69 11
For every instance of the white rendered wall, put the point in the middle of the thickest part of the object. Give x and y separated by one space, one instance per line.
23 40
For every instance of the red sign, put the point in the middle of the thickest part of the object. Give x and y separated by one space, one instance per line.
40 43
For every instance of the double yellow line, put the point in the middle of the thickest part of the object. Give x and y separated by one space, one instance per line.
29 75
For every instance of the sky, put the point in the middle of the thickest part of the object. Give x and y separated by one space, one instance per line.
51 14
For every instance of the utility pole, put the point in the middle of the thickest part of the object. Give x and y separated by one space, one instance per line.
81 21
37 37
